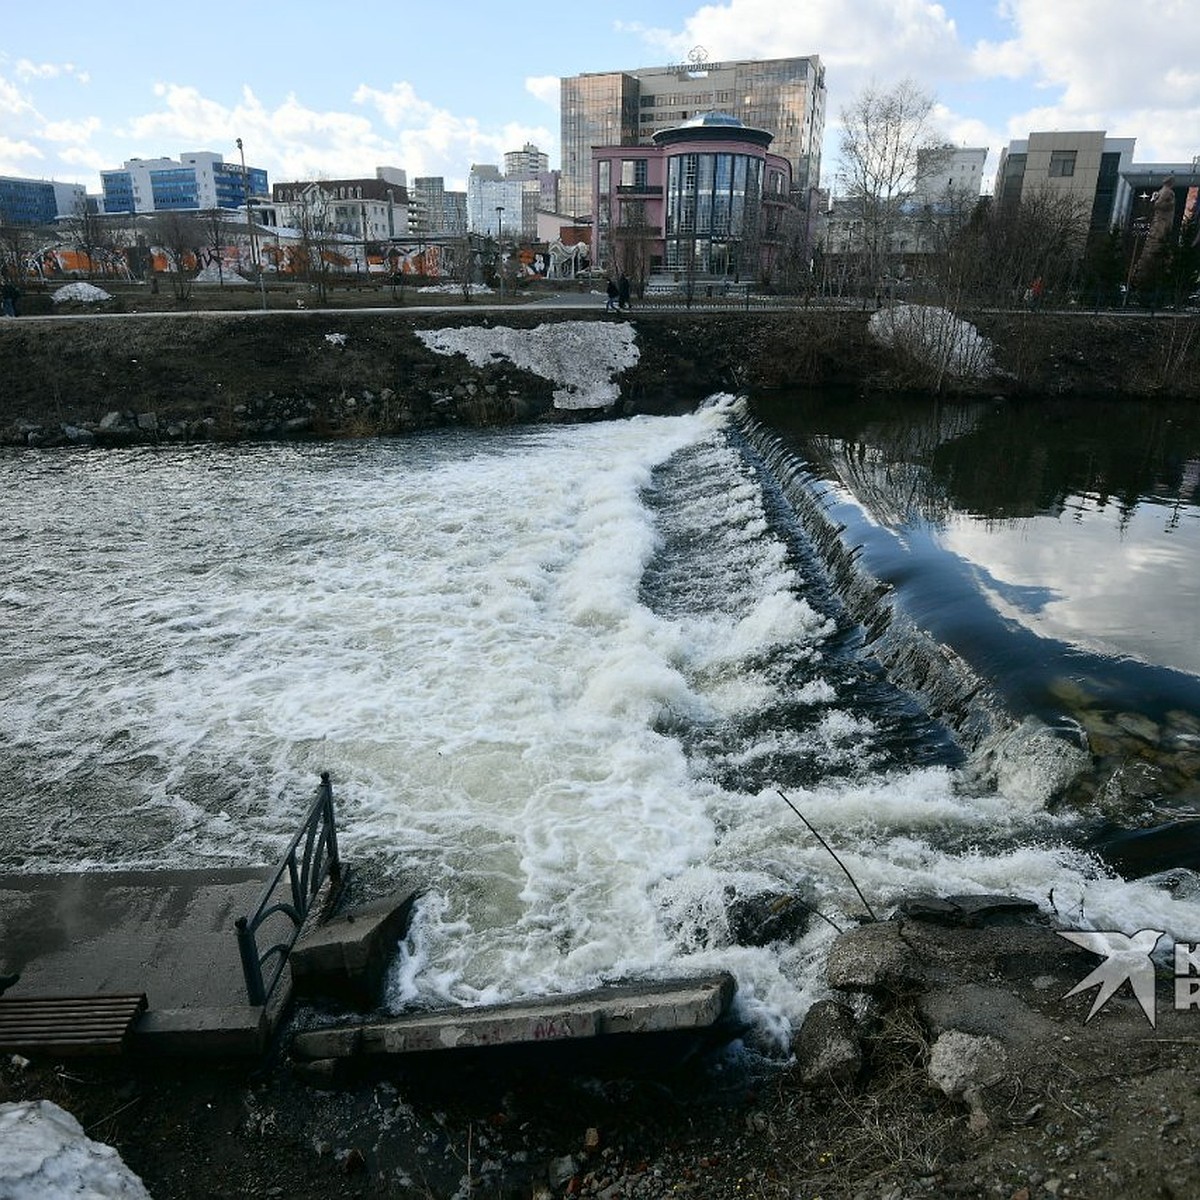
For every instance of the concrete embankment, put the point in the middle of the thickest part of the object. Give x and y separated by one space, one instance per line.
228 376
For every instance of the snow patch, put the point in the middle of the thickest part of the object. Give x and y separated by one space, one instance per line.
935 336
336 339
87 292
47 1156
215 274
583 357
455 289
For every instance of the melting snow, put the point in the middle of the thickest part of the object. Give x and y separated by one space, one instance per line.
215 274
934 335
47 1156
87 292
584 357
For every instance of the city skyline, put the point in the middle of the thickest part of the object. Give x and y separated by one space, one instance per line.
311 96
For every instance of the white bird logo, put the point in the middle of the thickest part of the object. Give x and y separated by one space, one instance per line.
1125 958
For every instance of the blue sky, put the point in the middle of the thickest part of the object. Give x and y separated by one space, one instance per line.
315 89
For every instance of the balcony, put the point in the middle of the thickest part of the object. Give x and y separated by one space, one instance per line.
639 189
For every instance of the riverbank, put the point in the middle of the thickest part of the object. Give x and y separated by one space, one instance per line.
956 1068
124 379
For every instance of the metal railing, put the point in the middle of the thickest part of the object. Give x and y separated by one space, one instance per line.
308 861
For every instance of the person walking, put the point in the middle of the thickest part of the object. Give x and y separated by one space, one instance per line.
623 291
611 306
9 295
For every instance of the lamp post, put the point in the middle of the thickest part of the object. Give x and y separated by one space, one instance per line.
262 287
500 248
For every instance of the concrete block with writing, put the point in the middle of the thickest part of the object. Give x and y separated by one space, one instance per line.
347 957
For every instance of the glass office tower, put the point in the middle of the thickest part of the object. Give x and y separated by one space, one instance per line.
784 96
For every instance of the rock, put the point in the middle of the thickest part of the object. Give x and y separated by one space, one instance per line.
147 422
872 957
960 1062
112 421
765 918
1139 726
560 1170
78 436
971 911
827 1047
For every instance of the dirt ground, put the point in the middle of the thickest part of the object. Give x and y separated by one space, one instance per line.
1099 1108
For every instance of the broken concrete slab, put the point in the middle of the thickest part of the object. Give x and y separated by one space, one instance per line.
872 957
670 1006
347 957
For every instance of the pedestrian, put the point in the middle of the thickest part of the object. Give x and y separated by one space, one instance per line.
611 306
623 291
9 295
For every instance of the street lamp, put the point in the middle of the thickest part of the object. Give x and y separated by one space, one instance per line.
500 247
262 287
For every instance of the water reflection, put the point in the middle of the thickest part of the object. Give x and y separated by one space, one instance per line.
1053 544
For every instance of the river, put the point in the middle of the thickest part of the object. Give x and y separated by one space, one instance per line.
563 678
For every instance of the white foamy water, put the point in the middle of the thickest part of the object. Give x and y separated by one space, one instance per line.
545 668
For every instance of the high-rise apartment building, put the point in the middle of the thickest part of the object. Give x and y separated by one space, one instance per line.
434 211
784 96
527 163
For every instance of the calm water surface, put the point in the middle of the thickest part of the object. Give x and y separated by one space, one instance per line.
1055 545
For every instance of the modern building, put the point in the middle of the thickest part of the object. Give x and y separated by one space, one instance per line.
498 204
706 199
366 210
527 163
950 178
1083 165
38 201
198 181
434 211
784 97
1142 180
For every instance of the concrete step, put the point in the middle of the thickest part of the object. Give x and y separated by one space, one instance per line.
669 1006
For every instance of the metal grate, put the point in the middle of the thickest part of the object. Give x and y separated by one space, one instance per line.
68 1025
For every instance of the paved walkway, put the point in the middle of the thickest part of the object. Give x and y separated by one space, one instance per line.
169 934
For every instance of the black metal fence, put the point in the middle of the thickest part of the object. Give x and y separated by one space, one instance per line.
309 860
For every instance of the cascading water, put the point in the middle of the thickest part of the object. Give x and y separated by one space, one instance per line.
559 676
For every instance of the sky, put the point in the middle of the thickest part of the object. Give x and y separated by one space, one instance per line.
316 90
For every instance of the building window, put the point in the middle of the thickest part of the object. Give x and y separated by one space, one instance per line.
1062 163
633 172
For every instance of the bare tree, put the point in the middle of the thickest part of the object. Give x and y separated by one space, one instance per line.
1008 249
179 235
89 233
883 133
633 242
313 219
17 244
464 266
214 225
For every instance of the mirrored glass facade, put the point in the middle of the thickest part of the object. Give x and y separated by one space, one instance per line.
784 96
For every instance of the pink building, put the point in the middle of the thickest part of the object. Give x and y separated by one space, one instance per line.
707 199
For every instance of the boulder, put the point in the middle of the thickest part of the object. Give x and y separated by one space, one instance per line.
827 1048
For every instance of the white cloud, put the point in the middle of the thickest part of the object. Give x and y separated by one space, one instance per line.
545 88
1098 64
70 131
885 39
15 156
12 100
432 141
27 70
